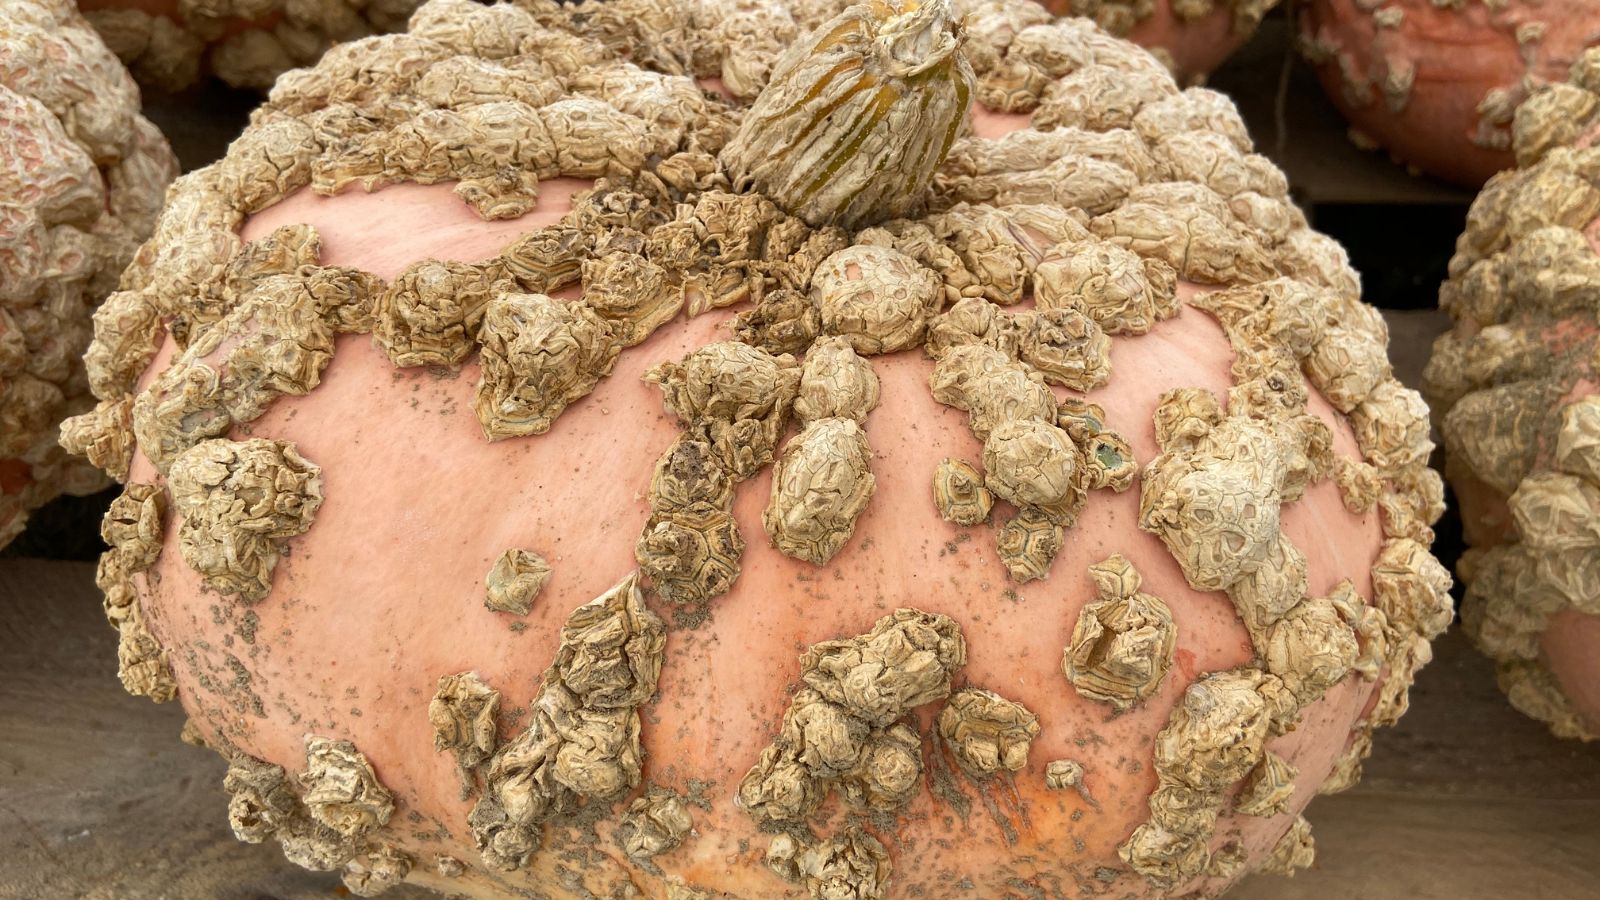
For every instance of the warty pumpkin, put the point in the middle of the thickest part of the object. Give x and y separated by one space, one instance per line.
1518 404
1437 82
806 481
1192 37
171 44
81 179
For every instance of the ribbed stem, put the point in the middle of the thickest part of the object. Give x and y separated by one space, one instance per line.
857 115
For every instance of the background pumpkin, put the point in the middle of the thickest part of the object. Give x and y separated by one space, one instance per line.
81 182
302 550
171 44
1192 38
1515 388
1437 84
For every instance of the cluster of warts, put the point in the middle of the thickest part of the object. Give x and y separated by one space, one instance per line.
582 744
325 819
83 178
246 43
1126 186
1386 72
1513 390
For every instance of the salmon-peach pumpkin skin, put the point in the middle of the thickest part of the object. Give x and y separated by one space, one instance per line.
82 175
1192 37
846 491
1517 393
1437 82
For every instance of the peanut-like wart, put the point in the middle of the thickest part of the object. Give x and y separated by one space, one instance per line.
341 790
820 485
1268 787
539 356
655 823
1122 645
1215 737
987 732
264 803
1028 543
823 481
463 713
374 872
133 529
515 582
240 500
959 494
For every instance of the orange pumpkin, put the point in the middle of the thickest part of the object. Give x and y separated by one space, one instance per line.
916 505
1437 84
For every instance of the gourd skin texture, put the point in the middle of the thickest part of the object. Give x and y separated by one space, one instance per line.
1515 391
1436 83
81 180
376 606
169 44
1192 37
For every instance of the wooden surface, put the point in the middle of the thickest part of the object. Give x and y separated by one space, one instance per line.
1465 800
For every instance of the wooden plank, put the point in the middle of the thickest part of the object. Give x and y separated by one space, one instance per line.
1466 799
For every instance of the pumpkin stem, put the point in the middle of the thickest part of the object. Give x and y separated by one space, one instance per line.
857 115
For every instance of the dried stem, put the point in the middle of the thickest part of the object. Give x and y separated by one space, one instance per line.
858 115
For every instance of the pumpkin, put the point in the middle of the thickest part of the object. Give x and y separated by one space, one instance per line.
854 491
1518 401
80 185
171 44
1436 84
1192 37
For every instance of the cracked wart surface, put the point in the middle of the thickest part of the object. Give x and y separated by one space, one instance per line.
82 177
931 423
1514 387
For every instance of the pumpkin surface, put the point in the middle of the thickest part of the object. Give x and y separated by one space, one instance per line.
170 44
1518 402
81 180
1437 84
1192 37
1056 521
